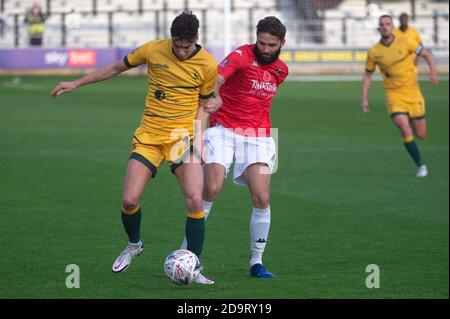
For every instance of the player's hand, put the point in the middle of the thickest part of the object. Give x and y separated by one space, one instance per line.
199 150
63 87
434 79
365 106
213 104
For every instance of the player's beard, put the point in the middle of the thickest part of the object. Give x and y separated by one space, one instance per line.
264 59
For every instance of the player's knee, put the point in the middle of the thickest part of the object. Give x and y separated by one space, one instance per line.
130 203
261 200
421 135
211 192
194 202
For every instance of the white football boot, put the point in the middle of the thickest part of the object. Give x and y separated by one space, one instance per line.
200 279
124 260
422 171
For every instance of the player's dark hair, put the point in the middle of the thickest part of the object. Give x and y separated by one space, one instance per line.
273 26
185 26
404 14
386 16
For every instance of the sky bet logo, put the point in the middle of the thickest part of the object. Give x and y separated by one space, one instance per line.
83 58
56 57
75 58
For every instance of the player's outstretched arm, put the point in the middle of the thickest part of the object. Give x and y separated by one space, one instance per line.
431 65
101 74
365 85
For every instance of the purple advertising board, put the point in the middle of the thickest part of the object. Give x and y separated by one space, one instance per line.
59 58
13 59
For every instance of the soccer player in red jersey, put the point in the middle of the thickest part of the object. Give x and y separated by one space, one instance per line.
239 131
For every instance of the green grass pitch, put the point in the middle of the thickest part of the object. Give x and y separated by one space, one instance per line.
345 196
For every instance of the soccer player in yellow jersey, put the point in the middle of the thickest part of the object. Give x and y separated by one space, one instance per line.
405 30
406 106
181 77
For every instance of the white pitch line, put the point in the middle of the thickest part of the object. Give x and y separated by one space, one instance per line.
17 84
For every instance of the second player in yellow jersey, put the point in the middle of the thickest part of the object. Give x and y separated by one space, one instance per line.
398 71
395 58
405 30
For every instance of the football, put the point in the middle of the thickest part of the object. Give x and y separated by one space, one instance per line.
182 266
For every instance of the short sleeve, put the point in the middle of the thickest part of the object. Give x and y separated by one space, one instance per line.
207 87
138 56
233 62
370 62
417 36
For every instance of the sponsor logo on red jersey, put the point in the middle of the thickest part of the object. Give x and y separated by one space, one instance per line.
268 86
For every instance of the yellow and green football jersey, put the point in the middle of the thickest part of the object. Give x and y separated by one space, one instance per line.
396 61
409 32
174 86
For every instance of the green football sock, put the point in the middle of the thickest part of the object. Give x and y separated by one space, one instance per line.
195 234
132 225
413 151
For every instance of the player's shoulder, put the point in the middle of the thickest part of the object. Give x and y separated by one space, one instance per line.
413 29
375 48
206 56
204 60
152 46
281 65
416 34
281 70
247 48
157 43
244 51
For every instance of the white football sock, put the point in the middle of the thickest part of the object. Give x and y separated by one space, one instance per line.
207 208
259 232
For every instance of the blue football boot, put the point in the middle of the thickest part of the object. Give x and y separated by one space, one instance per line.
259 271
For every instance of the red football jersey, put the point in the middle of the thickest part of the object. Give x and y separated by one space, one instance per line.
247 92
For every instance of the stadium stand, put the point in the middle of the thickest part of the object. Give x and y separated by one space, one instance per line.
337 25
344 24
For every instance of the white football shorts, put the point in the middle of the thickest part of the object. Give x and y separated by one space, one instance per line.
225 147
